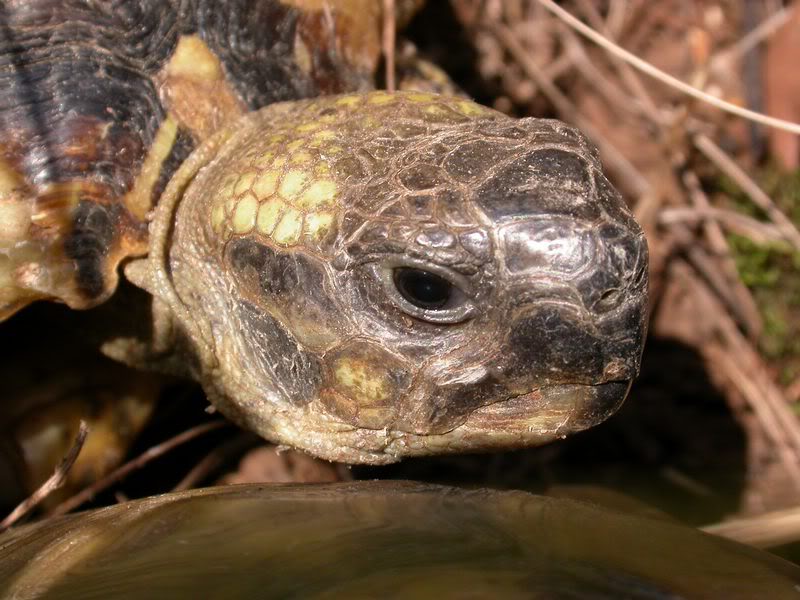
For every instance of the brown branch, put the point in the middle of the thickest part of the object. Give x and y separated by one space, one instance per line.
615 20
55 481
629 77
744 368
137 463
389 42
764 531
727 165
615 97
663 77
753 38
215 458
735 222
793 391
710 272
647 205
743 305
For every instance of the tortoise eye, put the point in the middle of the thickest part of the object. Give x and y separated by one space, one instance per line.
423 289
436 295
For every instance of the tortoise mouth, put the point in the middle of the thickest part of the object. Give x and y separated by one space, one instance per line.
570 407
543 415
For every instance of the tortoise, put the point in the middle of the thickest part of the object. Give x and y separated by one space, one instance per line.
343 541
358 274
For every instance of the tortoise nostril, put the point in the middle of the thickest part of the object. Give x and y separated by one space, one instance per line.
608 299
609 295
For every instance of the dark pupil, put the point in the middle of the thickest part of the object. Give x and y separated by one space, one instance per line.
422 289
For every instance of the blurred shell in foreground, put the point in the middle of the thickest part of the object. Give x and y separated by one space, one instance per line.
370 539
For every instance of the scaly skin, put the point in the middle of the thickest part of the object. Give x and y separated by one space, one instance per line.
274 250
289 187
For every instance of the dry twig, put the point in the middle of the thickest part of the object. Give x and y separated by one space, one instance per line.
755 37
389 42
137 463
728 166
793 391
764 531
663 77
744 368
55 481
739 299
628 75
743 225
214 459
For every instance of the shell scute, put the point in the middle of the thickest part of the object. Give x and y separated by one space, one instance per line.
100 107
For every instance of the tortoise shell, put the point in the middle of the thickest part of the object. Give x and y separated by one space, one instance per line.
101 101
363 276
379 539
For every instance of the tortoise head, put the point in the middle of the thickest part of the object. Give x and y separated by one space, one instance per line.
373 276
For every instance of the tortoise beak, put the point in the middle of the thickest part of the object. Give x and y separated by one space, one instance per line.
537 417
543 415
568 408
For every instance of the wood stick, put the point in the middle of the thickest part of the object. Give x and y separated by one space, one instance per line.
55 481
137 463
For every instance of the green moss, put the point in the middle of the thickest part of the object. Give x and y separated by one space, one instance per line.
785 190
772 271
758 265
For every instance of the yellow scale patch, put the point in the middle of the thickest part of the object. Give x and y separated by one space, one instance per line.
288 193
365 384
290 198
244 216
381 98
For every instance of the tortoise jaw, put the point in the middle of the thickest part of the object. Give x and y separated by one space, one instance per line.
535 418
552 411
538 417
